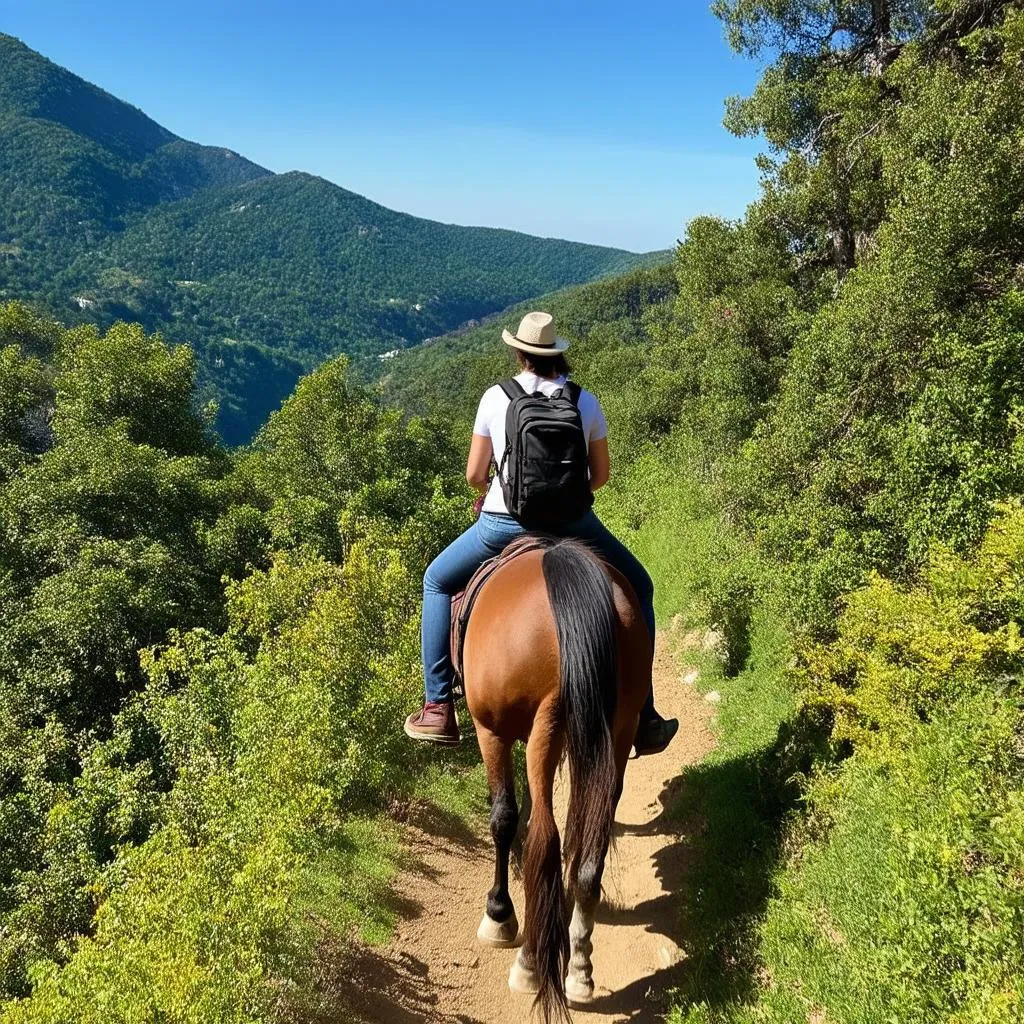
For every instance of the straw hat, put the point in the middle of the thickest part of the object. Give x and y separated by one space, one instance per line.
536 335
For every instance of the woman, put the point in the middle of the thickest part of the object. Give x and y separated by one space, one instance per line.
543 368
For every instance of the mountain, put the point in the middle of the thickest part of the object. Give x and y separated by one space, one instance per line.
445 377
77 164
306 270
106 215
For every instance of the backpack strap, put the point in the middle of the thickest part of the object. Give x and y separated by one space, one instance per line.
573 391
512 388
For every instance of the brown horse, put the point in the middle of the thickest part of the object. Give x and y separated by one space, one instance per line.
556 655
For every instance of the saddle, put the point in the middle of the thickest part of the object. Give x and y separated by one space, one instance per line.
462 603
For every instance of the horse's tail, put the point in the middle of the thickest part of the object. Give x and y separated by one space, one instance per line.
581 599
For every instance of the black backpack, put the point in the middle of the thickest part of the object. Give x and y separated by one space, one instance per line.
544 472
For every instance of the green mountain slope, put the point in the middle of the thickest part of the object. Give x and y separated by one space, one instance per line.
106 215
310 269
604 319
76 164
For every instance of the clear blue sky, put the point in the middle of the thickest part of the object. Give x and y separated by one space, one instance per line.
587 120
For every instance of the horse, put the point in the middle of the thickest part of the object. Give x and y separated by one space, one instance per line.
557 655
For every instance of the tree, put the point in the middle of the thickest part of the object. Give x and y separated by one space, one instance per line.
821 105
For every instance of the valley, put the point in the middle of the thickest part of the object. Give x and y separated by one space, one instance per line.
108 216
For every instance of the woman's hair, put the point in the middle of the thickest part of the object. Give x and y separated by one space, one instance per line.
544 366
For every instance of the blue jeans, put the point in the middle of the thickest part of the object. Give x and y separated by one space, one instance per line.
488 536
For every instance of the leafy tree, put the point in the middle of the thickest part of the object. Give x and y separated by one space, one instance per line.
200 660
821 106
100 554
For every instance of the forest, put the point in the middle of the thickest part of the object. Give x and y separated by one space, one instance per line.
816 412
105 215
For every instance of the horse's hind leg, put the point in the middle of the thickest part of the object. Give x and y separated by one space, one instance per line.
579 981
539 966
499 926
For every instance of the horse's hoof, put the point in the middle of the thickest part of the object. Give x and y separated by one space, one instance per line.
522 979
579 992
500 936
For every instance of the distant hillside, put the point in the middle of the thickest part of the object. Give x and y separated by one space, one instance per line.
446 376
106 215
76 163
307 270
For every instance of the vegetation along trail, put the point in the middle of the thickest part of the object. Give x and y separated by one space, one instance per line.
435 970
817 434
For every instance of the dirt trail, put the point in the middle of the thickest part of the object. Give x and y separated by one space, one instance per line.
434 970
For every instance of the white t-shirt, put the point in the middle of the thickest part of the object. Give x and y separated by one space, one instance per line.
490 422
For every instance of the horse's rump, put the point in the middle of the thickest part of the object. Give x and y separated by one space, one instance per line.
491 612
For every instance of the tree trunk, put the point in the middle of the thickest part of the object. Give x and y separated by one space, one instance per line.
882 52
844 241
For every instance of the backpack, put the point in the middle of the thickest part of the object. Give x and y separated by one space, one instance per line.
544 472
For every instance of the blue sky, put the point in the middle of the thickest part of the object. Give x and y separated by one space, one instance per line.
594 121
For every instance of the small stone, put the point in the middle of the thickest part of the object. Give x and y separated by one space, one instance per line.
712 696
713 640
465 961
689 678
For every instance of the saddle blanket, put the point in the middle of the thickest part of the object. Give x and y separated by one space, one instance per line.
462 603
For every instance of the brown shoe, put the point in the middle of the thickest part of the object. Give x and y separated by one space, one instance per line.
434 723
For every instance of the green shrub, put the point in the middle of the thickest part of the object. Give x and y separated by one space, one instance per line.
903 655
902 896
202 673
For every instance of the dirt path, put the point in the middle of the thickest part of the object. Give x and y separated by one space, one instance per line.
435 971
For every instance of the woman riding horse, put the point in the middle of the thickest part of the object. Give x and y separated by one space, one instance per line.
540 356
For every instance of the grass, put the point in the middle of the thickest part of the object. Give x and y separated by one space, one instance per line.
730 810
886 888
903 900
728 806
